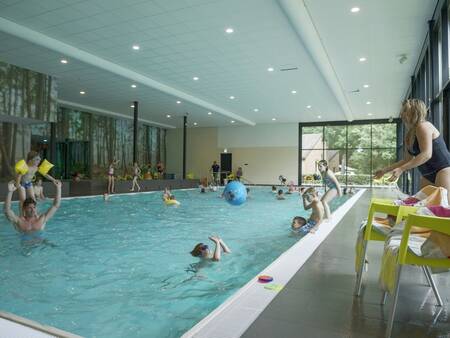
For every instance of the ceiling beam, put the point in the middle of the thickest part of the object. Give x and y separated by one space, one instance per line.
301 20
65 49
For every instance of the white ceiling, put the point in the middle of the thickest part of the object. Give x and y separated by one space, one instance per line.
186 38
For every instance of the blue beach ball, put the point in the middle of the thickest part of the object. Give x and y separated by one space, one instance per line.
235 193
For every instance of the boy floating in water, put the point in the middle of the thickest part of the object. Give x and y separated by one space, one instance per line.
30 221
310 201
202 250
280 195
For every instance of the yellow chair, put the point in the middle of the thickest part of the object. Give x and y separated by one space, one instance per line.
190 176
407 257
383 206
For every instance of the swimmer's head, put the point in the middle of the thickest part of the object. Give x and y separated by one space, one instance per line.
274 188
298 222
248 190
200 250
39 181
280 192
322 165
34 157
202 190
29 207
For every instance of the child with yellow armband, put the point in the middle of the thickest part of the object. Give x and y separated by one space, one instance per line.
25 172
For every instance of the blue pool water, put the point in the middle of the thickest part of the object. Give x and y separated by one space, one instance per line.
122 268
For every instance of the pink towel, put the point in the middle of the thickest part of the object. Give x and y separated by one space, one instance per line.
439 211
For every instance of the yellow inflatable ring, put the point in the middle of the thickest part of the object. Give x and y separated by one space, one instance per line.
171 202
21 167
45 167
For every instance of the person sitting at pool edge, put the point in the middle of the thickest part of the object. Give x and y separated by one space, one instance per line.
30 221
280 195
310 201
202 250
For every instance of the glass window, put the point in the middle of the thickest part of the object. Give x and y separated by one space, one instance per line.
335 137
359 136
358 168
310 157
384 135
382 158
312 137
353 152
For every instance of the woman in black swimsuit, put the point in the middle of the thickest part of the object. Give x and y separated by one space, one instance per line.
425 147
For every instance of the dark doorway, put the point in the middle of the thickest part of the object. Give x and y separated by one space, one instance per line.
72 157
225 165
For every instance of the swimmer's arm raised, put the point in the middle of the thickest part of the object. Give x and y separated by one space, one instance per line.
217 250
10 215
306 206
56 202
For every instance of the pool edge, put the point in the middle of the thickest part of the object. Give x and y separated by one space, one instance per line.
235 315
36 326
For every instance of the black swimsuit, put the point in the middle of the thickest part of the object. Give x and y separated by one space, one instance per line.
440 158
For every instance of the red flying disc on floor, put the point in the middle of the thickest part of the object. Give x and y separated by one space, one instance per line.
265 279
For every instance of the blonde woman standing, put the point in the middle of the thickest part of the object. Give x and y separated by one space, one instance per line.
426 149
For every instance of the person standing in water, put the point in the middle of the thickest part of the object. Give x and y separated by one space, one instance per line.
30 221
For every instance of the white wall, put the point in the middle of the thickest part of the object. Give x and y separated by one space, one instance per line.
263 151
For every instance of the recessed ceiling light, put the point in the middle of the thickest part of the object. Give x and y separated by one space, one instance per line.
136 47
178 102
366 86
256 110
274 119
368 102
195 78
195 123
168 116
270 69
232 121
370 114
133 86
229 30
293 91
82 92
309 107
362 59
132 106
64 61
232 97
319 116
355 9
209 113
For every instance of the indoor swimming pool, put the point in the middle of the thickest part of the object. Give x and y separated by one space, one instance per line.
122 268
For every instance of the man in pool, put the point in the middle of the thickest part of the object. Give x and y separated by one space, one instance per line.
202 250
30 221
312 201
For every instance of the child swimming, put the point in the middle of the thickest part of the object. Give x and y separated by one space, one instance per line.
202 250
280 195
274 189
332 186
310 201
